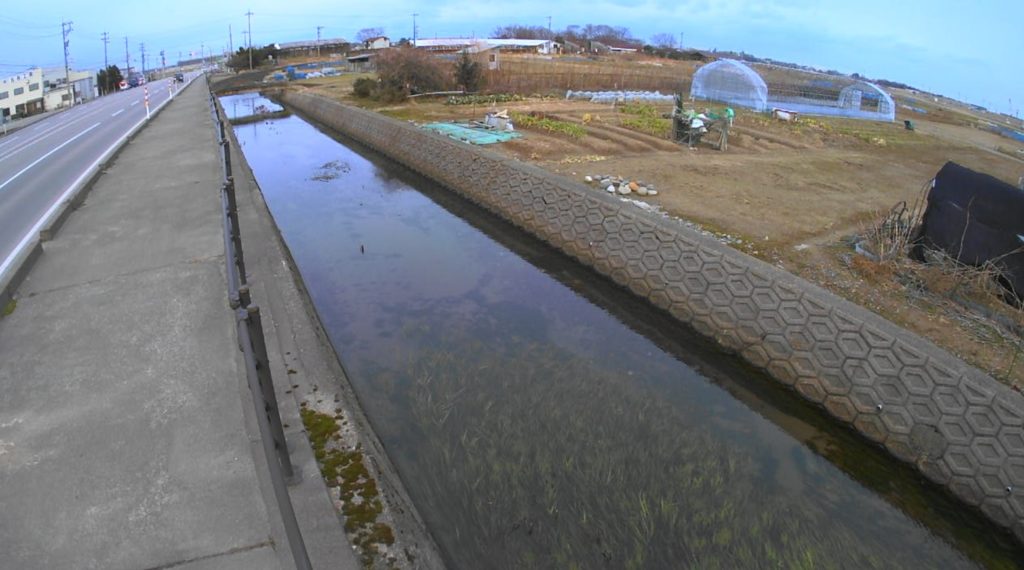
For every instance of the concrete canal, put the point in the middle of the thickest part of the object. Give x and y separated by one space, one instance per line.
543 418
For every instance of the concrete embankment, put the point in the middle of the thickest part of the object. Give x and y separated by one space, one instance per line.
958 426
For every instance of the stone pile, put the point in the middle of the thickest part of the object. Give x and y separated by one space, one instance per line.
620 185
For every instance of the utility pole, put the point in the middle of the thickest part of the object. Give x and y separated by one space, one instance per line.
65 28
142 50
549 27
202 53
249 16
245 35
106 40
318 28
681 40
127 58
231 42
163 60
414 29
106 76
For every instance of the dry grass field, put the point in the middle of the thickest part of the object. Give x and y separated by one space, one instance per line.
794 194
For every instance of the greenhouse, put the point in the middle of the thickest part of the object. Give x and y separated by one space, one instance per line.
795 90
730 81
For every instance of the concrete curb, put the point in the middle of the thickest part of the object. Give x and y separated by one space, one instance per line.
45 229
958 426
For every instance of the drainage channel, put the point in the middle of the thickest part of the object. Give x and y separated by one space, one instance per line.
543 418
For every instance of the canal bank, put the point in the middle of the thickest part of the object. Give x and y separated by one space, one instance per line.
501 376
308 376
957 426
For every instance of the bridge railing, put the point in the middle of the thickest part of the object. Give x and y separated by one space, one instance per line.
254 349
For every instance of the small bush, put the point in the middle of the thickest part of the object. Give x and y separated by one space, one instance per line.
468 74
364 87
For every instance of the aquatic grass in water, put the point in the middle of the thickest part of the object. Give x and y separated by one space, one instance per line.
537 458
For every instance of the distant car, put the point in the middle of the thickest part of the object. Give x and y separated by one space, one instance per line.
179 77
135 79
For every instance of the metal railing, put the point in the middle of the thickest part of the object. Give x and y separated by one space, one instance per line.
254 349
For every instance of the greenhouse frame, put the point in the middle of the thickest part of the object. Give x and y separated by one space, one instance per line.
793 90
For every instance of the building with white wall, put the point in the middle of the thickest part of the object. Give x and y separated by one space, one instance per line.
22 94
55 80
36 90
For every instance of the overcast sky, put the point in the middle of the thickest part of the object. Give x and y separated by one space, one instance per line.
969 50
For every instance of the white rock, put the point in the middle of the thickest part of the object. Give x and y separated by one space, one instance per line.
652 192
641 191
624 189
588 179
610 189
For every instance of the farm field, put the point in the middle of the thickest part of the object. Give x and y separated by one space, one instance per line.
794 194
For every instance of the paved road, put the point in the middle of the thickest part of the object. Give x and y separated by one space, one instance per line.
39 163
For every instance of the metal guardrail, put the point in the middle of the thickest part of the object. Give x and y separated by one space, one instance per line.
254 349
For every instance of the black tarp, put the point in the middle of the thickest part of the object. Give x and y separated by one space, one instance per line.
992 212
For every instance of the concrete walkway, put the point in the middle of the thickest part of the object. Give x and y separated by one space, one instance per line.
124 438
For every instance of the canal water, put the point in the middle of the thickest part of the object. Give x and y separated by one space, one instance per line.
248 105
543 418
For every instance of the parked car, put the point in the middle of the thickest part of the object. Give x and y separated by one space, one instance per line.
179 77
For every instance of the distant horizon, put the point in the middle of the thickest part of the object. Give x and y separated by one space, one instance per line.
940 47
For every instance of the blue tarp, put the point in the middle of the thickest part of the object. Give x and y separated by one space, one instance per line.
470 134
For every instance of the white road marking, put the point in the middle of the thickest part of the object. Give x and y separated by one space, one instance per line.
118 113
134 103
42 134
47 155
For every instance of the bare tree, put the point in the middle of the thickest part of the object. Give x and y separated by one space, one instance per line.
663 40
366 34
521 32
406 70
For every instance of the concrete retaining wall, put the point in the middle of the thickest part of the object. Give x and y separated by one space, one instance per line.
958 426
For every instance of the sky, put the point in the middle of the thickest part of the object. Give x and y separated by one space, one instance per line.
967 50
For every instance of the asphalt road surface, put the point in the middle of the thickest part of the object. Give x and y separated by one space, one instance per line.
39 163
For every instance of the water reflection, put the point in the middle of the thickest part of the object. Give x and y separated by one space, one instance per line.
541 418
247 105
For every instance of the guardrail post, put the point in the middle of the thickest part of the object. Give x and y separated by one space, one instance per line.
231 212
226 151
259 345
